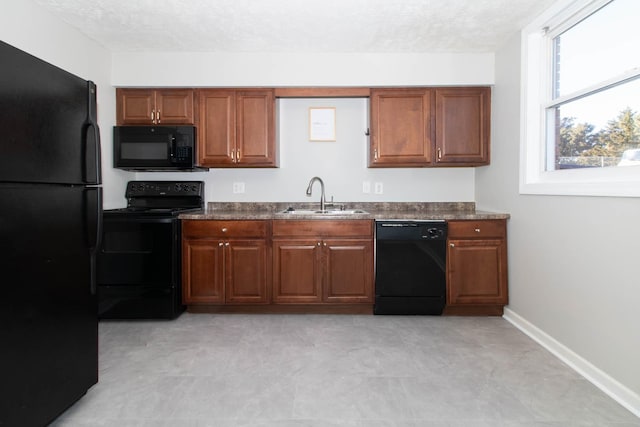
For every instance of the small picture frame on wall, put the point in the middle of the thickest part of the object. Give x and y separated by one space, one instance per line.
322 123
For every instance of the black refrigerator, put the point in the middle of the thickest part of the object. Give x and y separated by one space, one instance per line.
50 228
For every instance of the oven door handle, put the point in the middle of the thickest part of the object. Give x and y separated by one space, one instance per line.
130 219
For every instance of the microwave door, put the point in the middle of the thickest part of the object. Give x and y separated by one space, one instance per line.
154 147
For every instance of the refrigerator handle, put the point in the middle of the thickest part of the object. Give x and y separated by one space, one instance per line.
92 165
94 219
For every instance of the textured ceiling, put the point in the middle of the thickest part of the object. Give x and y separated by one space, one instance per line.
298 25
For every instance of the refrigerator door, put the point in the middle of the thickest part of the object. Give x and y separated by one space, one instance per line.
48 308
48 130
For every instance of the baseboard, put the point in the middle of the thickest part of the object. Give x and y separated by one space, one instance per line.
613 388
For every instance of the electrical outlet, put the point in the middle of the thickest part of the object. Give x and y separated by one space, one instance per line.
238 187
378 188
366 187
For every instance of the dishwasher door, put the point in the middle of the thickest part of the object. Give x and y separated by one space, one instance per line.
410 267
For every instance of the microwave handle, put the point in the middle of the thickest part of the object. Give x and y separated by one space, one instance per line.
172 152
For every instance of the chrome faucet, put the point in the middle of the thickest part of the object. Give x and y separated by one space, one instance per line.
322 200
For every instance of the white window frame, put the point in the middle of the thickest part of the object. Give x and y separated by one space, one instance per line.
537 39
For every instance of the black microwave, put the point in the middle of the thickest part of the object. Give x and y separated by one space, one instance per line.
155 148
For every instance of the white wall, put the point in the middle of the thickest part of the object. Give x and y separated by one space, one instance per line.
342 165
29 28
573 261
300 69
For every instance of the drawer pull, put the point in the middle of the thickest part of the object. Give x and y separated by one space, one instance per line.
220 244
224 229
477 230
451 245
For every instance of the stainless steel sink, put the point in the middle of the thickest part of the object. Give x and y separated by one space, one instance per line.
336 212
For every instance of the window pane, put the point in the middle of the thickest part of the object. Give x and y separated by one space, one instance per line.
596 131
602 46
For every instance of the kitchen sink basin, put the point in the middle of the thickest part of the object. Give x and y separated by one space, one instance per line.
292 211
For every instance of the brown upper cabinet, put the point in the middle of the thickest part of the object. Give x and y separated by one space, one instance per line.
154 106
401 131
236 128
462 125
422 127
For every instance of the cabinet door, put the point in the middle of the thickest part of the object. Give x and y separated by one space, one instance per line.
463 126
174 106
349 271
246 271
216 130
135 106
255 127
401 131
202 271
297 277
477 272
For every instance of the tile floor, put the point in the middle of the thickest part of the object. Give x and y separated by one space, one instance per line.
334 370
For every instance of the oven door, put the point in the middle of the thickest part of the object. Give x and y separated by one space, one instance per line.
139 267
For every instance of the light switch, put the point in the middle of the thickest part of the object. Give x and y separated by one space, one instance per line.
378 188
366 187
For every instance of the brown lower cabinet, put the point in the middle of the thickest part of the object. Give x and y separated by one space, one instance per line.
476 267
322 262
328 262
225 262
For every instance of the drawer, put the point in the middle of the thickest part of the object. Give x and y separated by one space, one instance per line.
223 229
323 228
477 229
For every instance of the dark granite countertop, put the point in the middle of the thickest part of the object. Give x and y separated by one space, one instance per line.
373 210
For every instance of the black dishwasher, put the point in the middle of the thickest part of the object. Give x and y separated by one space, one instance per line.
410 267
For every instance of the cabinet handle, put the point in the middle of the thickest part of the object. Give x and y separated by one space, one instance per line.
451 245
318 243
233 156
224 229
220 244
375 154
226 244
153 115
238 155
439 153
158 116
477 230
325 243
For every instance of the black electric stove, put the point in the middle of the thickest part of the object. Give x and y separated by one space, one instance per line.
139 264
